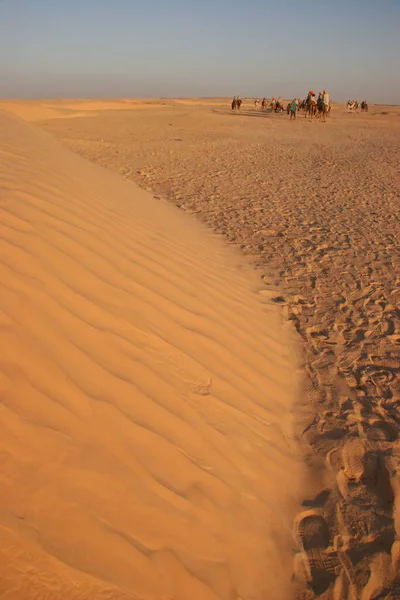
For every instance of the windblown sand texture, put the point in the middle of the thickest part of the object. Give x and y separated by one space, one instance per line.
316 206
147 389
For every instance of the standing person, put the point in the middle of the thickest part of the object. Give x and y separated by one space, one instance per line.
320 103
326 105
293 108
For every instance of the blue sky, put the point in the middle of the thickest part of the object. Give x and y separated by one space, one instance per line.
84 48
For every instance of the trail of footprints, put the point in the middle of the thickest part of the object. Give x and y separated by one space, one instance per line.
335 260
353 363
349 546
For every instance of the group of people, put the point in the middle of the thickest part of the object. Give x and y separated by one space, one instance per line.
276 104
355 105
312 105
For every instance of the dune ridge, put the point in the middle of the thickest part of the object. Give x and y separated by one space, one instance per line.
147 391
33 110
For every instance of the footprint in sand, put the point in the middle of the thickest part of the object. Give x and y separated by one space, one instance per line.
317 563
358 460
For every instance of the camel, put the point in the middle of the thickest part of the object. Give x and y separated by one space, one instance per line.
326 111
303 104
236 103
311 108
311 105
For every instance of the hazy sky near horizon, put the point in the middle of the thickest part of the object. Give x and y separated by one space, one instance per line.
89 48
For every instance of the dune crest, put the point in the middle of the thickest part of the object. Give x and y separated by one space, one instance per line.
146 395
33 110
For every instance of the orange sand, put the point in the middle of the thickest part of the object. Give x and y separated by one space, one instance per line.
147 394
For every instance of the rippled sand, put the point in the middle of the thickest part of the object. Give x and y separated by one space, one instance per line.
149 394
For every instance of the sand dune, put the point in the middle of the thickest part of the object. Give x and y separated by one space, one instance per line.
36 110
147 389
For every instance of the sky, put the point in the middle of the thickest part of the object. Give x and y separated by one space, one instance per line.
177 48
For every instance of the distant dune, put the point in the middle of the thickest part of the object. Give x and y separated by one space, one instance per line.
36 110
147 393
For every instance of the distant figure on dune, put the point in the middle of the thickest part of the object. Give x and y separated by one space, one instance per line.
239 102
256 103
264 104
364 106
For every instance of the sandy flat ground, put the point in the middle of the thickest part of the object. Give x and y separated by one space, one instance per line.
148 387
315 208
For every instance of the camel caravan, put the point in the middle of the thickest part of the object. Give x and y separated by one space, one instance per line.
311 105
275 105
354 105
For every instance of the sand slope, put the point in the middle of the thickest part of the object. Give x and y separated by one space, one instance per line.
146 394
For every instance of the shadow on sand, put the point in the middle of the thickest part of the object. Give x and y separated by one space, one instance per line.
250 113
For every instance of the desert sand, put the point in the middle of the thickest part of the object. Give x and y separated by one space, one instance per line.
148 389
315 209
